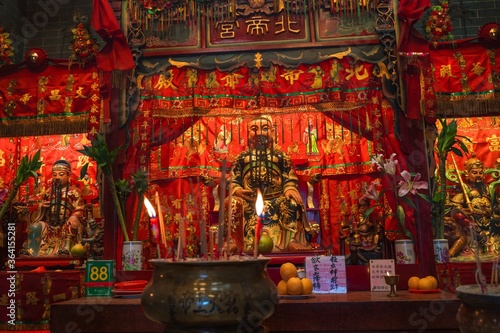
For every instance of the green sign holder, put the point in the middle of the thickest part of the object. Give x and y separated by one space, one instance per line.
99 277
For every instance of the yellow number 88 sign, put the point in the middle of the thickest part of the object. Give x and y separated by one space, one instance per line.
99 277
99 273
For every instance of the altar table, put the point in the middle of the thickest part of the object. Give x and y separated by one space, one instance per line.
28 296
357 311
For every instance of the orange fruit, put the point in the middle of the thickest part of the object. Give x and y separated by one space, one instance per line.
434 281
425 284
294 286
288 270
282 287
413 282
307 286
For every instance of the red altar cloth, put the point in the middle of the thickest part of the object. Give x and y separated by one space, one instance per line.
32 293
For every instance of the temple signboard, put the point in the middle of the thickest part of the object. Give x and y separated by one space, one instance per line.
259 29
194 26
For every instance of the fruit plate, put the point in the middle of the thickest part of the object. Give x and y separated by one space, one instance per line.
421 291
296 296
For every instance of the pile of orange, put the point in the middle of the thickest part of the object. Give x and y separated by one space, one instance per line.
291 284
426 283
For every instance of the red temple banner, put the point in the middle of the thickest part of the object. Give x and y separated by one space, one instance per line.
56 100
339 83
466 81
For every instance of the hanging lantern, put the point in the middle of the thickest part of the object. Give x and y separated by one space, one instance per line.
36 59
489 34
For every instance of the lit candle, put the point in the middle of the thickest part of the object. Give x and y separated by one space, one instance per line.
153 220
259 207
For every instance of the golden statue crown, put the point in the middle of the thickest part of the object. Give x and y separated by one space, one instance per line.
61 165
265 117
474 163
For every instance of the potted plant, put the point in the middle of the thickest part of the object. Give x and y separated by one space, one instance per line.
99 152
27 168
447 142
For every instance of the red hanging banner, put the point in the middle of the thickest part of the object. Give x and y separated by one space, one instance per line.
53 101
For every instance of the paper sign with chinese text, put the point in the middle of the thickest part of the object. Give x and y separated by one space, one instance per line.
327 274
379 268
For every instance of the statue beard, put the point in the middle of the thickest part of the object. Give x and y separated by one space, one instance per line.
481 187
261 142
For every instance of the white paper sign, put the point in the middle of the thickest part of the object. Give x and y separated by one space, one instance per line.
327 274
379 268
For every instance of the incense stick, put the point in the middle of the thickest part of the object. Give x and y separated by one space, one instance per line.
222 195
160 219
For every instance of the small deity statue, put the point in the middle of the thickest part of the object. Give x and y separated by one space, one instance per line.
455 234
266 168
94 242
87 182
365 242
474 201
58 225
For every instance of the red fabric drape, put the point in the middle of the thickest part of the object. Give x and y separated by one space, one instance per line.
116 54
409 12
411 44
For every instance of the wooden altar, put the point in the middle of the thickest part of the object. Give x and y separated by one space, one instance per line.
359 311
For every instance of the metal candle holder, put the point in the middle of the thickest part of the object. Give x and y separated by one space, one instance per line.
392 280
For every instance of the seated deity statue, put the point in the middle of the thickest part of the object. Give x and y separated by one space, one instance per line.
473 204
266 168
365 241
56 225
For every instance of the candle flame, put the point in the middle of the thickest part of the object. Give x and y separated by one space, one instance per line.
388 274
150 208
259 204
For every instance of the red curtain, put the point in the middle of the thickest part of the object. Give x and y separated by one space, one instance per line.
116 54
411 46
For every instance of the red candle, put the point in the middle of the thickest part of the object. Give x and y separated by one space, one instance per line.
153 220
155 229
259 207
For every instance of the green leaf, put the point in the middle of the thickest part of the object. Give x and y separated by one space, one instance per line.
457 151
401 220
401 214
368 211
409 202
141 181
83 171
425 197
